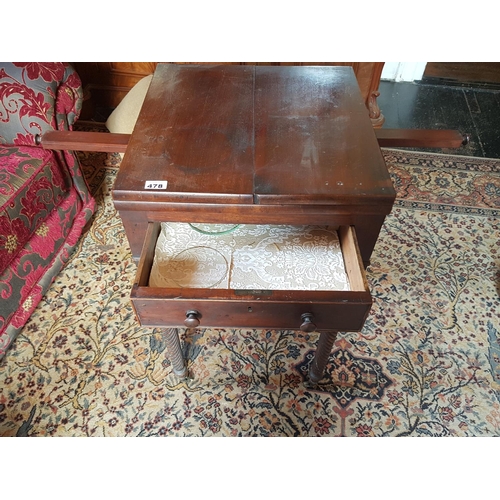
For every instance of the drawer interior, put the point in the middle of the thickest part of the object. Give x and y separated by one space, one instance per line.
250 257
342 309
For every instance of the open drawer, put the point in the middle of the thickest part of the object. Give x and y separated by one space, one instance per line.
309 310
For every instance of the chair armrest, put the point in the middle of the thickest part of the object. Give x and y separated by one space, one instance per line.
36 98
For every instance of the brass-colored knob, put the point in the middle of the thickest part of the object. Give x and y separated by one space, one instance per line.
192 319
307 324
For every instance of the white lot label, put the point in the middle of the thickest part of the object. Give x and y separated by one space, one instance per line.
155 185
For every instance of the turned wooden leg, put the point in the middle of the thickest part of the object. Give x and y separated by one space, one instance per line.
175 352
318 365
376 116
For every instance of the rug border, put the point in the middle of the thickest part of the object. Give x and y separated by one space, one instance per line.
432 153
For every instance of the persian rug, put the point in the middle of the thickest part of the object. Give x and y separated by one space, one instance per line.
427 362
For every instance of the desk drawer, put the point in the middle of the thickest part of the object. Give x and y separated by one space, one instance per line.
334 310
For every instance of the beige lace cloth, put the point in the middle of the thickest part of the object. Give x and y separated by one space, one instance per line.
261 257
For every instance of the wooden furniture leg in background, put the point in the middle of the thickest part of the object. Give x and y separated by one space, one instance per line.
323 350
174 352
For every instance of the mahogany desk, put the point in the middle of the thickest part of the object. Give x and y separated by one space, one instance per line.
257 145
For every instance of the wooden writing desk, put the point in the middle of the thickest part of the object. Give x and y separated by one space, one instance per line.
257 145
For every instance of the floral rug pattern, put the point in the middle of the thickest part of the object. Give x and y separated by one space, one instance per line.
427 362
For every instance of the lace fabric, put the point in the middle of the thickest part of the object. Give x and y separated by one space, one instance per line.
269 257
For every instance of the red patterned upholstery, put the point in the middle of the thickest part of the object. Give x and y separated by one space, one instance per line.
44 199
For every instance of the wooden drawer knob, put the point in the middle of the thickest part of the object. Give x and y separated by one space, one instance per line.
307 323
192 319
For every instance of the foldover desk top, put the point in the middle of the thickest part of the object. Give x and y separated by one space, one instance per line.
264 135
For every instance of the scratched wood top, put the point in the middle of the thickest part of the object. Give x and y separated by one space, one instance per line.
254 135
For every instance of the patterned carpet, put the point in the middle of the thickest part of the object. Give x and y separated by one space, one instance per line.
427 362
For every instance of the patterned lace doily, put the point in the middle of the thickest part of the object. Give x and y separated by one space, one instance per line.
248 257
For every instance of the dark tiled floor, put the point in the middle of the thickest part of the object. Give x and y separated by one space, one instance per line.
471 109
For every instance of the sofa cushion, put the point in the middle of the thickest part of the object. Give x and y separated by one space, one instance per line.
32 185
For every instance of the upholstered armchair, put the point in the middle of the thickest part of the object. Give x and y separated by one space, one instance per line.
44 199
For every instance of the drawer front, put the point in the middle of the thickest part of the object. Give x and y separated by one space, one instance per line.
263 309
341 315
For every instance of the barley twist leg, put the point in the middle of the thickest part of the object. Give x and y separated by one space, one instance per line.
318 364
175 352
